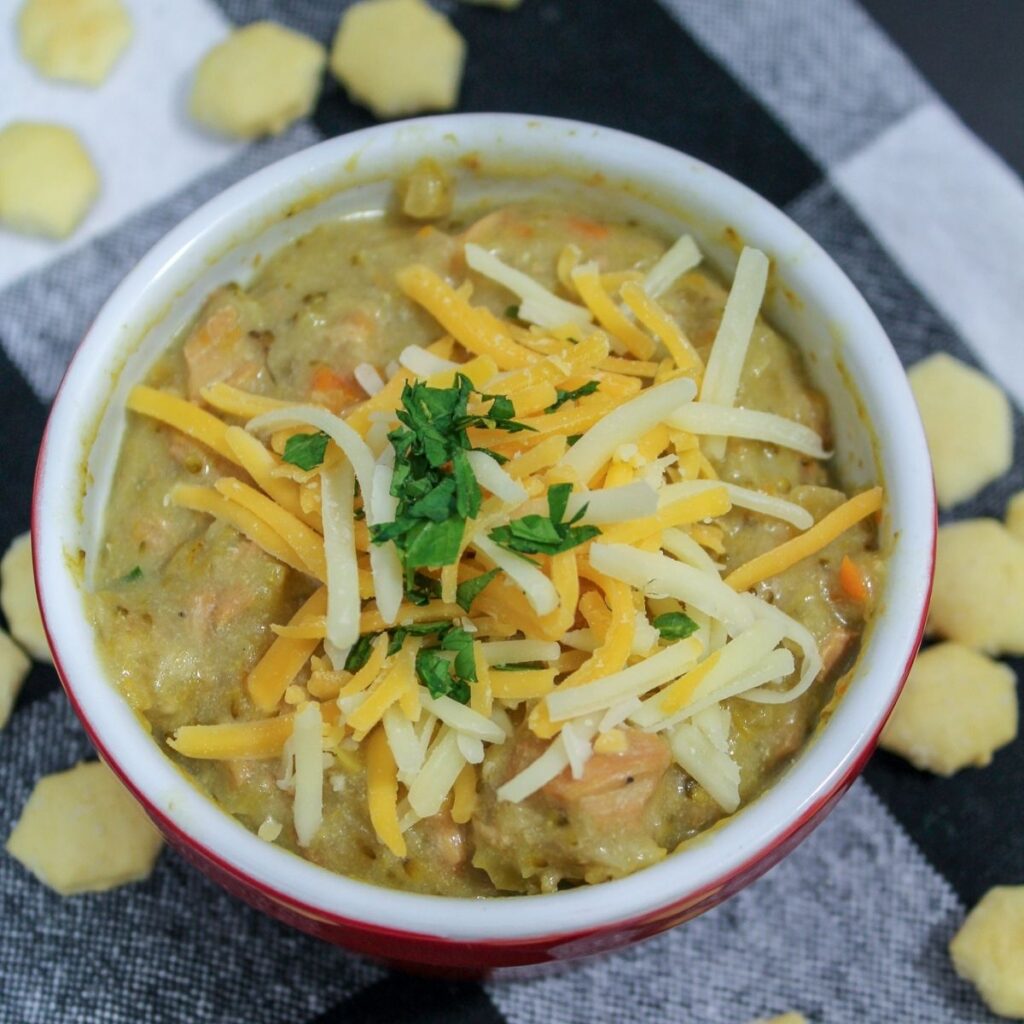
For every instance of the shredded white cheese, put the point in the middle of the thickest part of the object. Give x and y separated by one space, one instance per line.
515 652
628 422
368 378
337 489
633 681
438 775
729 350
539 590
680 258
492 477
752 424
542 307
661 576
419 361
307 806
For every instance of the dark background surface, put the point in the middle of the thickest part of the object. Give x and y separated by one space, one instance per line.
972 52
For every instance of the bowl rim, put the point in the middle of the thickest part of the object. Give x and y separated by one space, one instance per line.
749 838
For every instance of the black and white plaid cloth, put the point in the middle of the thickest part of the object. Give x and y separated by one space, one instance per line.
809 103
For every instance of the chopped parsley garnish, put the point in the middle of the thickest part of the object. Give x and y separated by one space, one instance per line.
435 485
306 450
445 670
445 677
132 575
512 312
468 591
573 438
674 625
360 653
571 396
546 535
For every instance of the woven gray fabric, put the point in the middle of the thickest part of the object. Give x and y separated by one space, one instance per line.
173 948
840 82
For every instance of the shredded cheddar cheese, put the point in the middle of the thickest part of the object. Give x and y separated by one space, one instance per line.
566 601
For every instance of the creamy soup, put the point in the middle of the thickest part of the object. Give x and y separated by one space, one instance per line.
477 553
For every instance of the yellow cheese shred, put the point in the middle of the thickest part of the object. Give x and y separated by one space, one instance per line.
522 684
678 694
260 465
369 672
284 659
382 792
607 314
566 579
236 402
229 741
663 327
470 326
787 554
303 540
385 692
208 501
481 694
464 795
608 658
691 509
185 417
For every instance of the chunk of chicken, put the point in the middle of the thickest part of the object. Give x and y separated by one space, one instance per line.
222 346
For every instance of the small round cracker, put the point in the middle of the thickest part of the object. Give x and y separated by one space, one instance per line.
258 81
18 599
14 667
398 57
968 424
957 709
47 179
74 40
1015 515
979 587
988 950
81 831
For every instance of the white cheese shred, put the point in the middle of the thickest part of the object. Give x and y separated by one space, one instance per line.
368 378
337 490
628 422
436 778
492 477
307 807
542 307
752 424
660 576
539 590
419 361
679 259
729 350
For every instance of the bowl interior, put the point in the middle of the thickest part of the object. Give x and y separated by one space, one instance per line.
810 299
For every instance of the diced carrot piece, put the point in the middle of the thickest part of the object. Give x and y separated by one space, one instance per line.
587 227
852 580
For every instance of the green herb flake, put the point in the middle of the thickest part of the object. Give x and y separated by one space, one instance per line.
675 626
360 653
469 590
435 485
571 396
445 676
306 450
512 312
546 535
132 575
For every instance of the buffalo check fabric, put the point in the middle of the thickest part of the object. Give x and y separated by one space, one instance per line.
810 104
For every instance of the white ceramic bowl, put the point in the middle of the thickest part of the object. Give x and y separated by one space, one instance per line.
849 356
